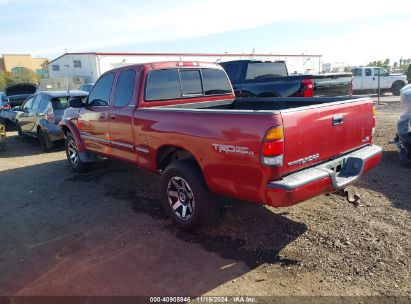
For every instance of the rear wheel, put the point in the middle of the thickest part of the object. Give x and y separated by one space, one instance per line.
73 155
185 195
396 87
45 141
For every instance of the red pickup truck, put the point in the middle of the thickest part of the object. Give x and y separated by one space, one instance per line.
182 120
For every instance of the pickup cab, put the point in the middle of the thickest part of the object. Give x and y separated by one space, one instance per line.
365 79
182 120
251 78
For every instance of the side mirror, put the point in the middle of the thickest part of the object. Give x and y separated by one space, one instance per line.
76 102
16 108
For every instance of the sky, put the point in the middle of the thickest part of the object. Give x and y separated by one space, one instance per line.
351 32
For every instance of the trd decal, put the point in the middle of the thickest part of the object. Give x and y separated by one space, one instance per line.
229 149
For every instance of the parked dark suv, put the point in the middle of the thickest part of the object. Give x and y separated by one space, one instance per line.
40 114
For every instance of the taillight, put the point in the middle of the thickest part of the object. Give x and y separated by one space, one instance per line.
49 115
6 106
306 89
374 120
273 147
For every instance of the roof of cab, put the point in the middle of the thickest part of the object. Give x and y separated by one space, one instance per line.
169 65
63 93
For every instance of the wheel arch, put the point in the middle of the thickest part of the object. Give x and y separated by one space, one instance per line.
169 153
68 127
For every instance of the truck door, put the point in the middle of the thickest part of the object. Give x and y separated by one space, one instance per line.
93 119
121 116
369 81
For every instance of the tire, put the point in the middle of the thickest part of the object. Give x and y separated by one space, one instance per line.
405 159
396 87
45 141
73 156
19 131
185 196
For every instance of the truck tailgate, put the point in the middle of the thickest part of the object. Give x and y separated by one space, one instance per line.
319 133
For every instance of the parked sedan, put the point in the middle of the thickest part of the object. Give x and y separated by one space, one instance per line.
40 114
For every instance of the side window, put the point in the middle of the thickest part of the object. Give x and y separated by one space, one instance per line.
367 72
381 72
215 82
191 82
36 102
124 88
163 85
100 94
43 104
28 104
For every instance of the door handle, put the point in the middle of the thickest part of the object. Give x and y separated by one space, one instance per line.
102 115
338 120
113 117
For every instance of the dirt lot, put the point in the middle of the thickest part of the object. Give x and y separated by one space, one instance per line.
103 233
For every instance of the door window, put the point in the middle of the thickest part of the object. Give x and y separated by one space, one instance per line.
100 94
381 72
28 104
124 88
43 104
36 102
367 72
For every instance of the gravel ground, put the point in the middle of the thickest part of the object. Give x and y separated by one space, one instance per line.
103 233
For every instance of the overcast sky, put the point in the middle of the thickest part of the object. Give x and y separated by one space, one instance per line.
343 31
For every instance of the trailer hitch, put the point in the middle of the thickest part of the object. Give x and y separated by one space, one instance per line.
350 195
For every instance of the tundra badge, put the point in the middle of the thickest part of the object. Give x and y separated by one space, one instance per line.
304 160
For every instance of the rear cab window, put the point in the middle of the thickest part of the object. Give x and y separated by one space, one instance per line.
171 84
261 70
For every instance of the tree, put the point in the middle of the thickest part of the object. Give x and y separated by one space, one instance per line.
19 75
25 75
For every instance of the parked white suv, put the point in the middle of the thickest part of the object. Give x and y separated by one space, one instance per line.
366 79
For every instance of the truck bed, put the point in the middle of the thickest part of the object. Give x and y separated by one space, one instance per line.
263 104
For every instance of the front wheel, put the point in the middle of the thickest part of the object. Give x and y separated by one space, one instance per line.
73 155
185 196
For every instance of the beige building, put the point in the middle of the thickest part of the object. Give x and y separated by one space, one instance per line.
13 62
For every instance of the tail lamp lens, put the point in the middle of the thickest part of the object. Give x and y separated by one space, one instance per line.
273 147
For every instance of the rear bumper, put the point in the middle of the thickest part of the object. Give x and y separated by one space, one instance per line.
321 179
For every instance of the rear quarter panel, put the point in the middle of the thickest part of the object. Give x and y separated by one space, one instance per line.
226 173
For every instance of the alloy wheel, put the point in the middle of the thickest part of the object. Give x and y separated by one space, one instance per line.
181 198
72 153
